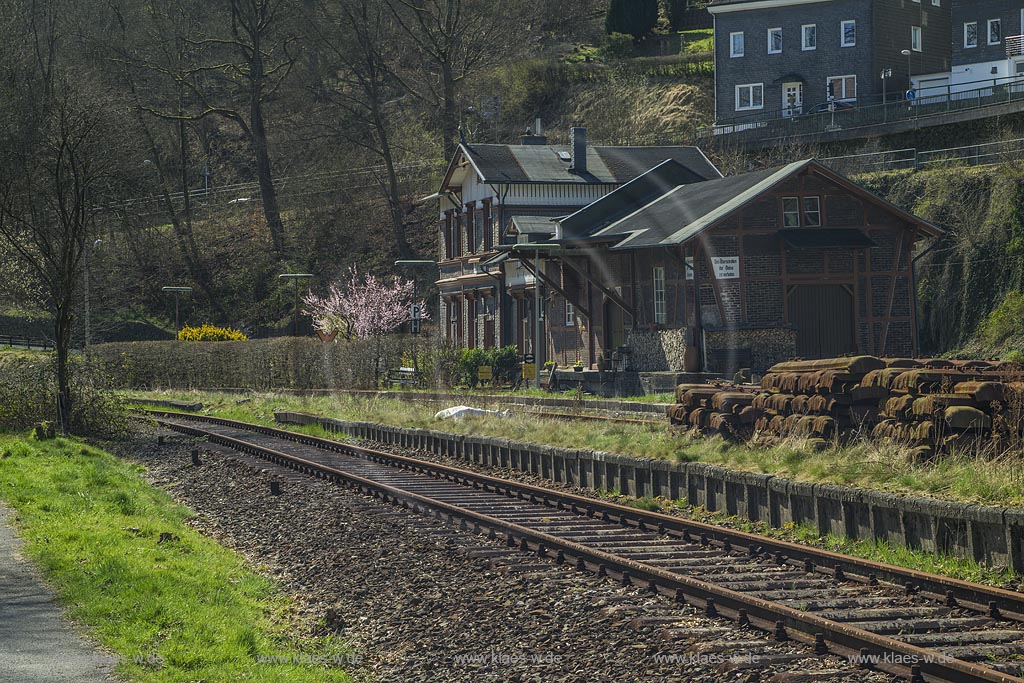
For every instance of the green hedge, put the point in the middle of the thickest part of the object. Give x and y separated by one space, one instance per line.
282 363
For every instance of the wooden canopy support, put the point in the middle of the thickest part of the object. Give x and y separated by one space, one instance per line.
612 296
584 311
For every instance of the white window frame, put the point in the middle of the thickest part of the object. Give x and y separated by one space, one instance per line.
788 212
842 33
988 35
570 314
916 39
803 37
937 3
967 45
733 52
842 79
806 212
752 106
770 32
659 295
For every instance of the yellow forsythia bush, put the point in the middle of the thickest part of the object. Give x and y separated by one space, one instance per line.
210 333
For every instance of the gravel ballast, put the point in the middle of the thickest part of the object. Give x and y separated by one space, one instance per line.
419 601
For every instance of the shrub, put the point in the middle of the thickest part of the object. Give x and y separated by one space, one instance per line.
634 17
210 333
1006 321
28 396
505 363
618 46
531 87
469 363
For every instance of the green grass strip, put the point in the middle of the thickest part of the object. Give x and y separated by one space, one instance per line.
184 610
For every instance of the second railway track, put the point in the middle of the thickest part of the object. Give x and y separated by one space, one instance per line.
918 626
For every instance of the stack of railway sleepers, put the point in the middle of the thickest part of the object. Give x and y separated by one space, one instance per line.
721 408
928 404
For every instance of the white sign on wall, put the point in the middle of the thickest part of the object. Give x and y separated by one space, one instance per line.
726 267
689 268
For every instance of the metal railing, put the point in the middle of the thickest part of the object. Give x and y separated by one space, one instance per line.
930 101
985 154
26 342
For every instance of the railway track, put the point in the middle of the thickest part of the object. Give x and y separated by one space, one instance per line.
917 626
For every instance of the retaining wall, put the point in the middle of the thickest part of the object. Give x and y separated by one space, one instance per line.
992 535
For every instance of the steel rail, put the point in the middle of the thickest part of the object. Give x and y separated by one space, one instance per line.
974 596
892 656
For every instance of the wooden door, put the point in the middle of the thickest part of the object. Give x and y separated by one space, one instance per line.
489 332
824 318
614 326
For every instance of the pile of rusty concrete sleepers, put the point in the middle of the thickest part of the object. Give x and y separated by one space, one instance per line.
929 405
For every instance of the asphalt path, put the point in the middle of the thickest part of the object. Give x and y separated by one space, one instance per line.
37 642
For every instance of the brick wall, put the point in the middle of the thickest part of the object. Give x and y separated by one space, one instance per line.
814 66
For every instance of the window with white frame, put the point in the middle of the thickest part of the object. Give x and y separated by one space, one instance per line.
842 87
659 295
809 37
812 212
937 3
749 96
736 44
970 34
775 41
848 33
570 314
915 38
791 212
995 31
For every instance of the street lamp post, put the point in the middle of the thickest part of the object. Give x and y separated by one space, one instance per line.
295 277
886 75
177 298
910 78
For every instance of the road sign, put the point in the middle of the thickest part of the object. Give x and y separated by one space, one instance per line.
529 370
484 373
528 358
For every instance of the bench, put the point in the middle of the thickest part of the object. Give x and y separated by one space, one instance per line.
405 377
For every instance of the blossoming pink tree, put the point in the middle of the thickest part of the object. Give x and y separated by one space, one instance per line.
364 307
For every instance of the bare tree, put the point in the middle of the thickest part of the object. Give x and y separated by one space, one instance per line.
231 64
455 39
55 173
356 36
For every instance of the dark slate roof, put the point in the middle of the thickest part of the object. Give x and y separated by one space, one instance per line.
680 213
626 199
686 210
612 165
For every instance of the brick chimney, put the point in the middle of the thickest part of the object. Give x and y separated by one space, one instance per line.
578 150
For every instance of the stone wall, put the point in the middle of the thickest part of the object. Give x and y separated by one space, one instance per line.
657 351
767 346
992 535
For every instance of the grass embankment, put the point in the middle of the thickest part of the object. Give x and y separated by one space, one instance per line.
185 609
964 476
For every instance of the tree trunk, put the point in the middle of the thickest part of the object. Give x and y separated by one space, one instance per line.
449 121
393 191
264 173
62 337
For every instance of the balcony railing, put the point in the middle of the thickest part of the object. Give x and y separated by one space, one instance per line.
929 101
1015 46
